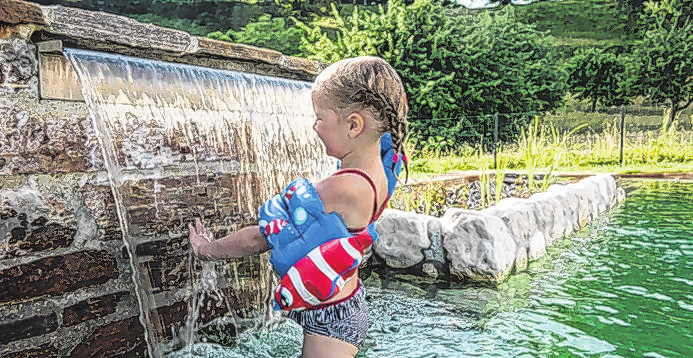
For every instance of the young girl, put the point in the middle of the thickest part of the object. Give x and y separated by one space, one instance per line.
319 232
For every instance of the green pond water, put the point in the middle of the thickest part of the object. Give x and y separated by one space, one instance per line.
620 287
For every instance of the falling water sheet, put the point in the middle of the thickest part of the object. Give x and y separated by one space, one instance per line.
182 141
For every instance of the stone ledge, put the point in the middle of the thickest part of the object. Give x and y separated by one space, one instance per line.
20 12
100 30
487 245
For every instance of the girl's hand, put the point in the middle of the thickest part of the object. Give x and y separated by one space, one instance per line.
199 238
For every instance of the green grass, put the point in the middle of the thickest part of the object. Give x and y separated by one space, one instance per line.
644 152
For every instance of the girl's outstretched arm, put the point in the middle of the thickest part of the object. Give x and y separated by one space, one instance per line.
245 242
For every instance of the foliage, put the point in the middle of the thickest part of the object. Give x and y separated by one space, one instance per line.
600 76
666 54
305 9
601 21
425 199
455 65
274 33
364 32
499 177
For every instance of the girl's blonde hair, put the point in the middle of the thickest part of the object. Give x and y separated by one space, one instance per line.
368 83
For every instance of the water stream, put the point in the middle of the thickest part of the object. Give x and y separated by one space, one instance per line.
183 141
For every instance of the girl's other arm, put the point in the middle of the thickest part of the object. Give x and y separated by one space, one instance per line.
245 242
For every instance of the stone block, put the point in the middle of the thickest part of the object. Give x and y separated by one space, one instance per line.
57 275
521 259
111 28
583 205
605 186
43 351
165 272
570 201
518 216
549 209
20 12
403 237
435 230
38 237
620 195
537 245
452 214
543 217
116 338
27 327
479 248
238 51
53 142
91 308
18 62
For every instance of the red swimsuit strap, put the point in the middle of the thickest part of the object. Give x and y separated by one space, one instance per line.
376 211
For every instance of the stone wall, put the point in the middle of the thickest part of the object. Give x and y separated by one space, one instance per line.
488 245
63 270
66 286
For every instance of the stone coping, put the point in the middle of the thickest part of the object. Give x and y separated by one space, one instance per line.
473 175
487 245
114 33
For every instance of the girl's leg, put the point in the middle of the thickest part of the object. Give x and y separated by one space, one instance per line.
317 346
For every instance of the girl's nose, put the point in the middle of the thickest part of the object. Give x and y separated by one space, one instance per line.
315 126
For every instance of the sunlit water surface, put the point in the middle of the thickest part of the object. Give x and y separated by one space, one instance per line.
621 287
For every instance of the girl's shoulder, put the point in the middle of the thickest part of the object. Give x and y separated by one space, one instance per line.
338 188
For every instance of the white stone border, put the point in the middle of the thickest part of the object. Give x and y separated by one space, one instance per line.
485 245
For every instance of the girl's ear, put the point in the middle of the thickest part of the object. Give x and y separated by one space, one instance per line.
355 125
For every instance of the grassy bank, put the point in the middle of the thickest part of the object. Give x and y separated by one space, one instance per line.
543 148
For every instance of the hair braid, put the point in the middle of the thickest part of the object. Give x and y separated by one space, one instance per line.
369 83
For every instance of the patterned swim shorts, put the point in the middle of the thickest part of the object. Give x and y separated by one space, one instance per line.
345 320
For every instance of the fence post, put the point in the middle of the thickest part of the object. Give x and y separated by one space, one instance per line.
495 140
623 134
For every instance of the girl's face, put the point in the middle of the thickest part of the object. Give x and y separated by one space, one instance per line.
330 127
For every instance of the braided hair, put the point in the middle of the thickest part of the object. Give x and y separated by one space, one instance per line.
369 83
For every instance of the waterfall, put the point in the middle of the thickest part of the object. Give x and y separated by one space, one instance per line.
183 141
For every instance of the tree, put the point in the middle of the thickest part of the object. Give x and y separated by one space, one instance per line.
666 51
599 76
456 65
274 33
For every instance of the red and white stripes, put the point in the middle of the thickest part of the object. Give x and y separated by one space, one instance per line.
322 273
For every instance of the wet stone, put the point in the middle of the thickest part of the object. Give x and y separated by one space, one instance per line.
27 327
212 309
57 275
99 200
164 206
41 238
91 308
166 272
173 317
244 300
117 338
43 351
173 246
